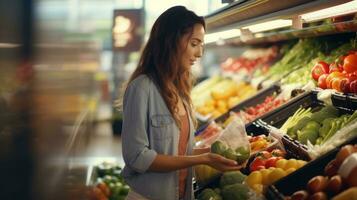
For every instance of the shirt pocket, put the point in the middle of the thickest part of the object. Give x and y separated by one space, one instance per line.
162 126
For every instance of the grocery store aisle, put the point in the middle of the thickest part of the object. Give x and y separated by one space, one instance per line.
103 145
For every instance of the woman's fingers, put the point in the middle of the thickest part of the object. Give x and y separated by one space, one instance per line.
227 161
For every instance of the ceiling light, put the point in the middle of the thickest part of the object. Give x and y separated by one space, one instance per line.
270 25
342 9
213 37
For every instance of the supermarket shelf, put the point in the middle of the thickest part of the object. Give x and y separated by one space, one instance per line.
239 14
276 36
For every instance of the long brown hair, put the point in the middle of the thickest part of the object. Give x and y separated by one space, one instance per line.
159 59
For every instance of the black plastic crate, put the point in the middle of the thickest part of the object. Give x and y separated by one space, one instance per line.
278 117
289 184
340 100
352 100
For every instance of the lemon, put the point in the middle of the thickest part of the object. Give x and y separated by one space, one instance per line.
291 163
254 178
290 170
300 163
275 175
265 175
281 163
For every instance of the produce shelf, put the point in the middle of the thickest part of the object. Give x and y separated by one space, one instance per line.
288 185
241 14
282 35
278 117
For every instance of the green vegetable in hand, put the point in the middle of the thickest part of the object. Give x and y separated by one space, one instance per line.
218 147
243 154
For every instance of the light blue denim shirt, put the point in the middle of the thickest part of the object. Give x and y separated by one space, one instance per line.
149 129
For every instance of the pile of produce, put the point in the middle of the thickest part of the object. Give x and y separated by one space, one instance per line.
230 187
251 60
109 183
261 142
338 181
316 127
251 113
214 98
340 75
263 176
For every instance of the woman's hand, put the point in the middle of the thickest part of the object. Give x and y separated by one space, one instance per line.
220 163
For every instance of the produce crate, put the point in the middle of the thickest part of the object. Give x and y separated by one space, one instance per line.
256 99
339 98
352 100
289 184
278 117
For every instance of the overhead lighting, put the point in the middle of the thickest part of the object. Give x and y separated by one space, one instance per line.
270 25
213 37
342 9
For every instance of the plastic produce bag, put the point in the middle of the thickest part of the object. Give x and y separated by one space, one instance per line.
208 135
233 142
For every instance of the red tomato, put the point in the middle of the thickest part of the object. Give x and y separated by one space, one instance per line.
322 81
353 86
271 162
264 154
319 69
257 164
345 82
334 68
278 153
345 85
350 63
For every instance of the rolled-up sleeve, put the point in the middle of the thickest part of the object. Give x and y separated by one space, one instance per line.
135 143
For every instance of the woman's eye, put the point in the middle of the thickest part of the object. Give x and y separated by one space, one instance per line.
194 44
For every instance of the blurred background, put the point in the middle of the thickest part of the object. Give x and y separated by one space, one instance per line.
63 62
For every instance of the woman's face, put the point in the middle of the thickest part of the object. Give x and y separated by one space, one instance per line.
192 46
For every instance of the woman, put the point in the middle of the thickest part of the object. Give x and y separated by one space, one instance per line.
158 127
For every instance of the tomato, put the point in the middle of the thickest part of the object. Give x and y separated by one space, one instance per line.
345 85
350 63
332 76
257 164
271 162
264 154
319 69
322 81
334 67
353 86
